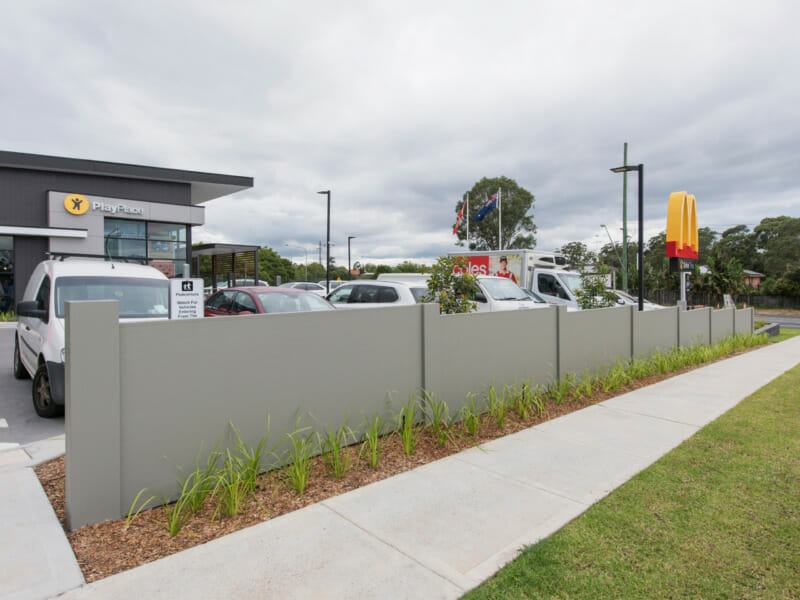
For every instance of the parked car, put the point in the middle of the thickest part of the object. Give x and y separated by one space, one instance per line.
494 293
537 298
221 285
308 286
623 298
260 300
366 294
142 293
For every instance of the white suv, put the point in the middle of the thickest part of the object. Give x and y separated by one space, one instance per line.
142 293
370 294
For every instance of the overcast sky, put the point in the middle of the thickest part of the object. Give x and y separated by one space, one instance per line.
400 107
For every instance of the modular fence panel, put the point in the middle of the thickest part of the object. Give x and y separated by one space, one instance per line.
144 398
694 327
593 339
722 324
479 350
654 330
744 320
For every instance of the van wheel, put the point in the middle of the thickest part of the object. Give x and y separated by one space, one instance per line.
19 369
42 398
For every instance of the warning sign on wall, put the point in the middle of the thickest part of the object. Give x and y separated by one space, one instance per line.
185 298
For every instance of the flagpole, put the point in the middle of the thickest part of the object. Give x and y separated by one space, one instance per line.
499 219
467 221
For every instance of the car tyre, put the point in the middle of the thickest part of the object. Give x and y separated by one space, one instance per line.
42 397
20 372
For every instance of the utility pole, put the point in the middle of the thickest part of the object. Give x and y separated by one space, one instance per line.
349 269
625 221
328 245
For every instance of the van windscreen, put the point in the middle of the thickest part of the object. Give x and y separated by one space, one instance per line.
137 297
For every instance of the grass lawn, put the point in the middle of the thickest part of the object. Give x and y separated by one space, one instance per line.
785 334
718 517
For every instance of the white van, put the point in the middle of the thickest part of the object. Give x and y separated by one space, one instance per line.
142 293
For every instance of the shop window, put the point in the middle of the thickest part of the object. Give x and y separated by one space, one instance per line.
163 245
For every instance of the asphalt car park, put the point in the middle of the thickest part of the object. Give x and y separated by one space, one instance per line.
19 423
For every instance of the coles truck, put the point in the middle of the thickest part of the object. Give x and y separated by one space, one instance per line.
540 272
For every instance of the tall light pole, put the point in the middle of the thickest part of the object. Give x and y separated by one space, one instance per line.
328 245
349 270
304 250
640 169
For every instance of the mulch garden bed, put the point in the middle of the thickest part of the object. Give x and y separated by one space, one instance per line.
108 548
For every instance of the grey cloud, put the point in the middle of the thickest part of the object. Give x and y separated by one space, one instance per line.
400 108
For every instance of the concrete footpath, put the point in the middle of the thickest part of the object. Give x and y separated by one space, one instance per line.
433 532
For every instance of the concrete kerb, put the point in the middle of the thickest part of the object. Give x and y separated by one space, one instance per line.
36 557
32 454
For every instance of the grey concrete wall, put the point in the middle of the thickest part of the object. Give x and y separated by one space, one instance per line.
143 398
183 381
744 320
694 327
722 324
594 339
654 330
504 348
92 418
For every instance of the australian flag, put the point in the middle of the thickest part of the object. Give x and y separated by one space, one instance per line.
486 208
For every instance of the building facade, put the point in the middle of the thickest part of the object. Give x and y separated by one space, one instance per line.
65 205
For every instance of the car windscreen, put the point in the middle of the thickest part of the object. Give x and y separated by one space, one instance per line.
504 289
138 297
418 293
278 302
573 281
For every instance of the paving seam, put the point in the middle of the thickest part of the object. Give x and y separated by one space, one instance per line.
425 566
660 418
525 484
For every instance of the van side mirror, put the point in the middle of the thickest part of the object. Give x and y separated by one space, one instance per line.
31 309
479 297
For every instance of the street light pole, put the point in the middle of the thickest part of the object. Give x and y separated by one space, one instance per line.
349 270
328 245
306 252
640 170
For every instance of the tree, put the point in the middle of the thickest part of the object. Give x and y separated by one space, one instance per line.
593 292
779 240
516 203
724 277
736 243
789 283
408 266
455 292
272 265
706 240
578 255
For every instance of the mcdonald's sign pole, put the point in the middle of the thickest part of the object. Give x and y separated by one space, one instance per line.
640 170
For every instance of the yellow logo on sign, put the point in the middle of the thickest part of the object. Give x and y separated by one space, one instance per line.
76 204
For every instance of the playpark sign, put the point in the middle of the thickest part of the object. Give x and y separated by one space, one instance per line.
682 237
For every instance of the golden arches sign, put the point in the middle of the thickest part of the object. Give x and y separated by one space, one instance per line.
682 237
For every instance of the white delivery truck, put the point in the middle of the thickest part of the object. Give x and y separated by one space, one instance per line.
540 272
